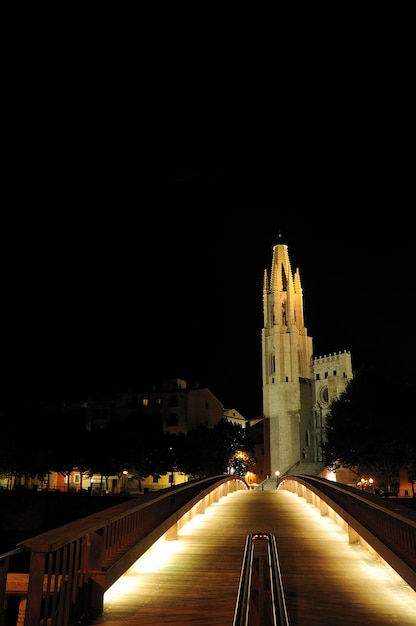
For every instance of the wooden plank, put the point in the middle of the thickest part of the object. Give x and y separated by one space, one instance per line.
17 584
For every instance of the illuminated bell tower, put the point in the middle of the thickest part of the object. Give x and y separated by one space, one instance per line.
286 364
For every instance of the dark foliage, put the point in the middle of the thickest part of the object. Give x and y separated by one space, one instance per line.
372 426
37 440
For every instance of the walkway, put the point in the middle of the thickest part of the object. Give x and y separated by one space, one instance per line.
194 581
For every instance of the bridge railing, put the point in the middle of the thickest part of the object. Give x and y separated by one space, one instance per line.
387 528
72 566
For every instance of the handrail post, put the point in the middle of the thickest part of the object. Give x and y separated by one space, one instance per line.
35 588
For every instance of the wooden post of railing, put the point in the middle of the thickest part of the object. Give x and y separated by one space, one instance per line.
93 561
35 588
4 568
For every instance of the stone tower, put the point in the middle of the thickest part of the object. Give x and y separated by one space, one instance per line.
331 374
295 397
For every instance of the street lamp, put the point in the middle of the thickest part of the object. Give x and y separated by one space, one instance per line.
173 470
277 474
125 472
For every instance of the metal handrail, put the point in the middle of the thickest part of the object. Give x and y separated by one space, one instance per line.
261 598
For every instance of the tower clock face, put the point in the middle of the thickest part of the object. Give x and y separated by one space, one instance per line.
323 394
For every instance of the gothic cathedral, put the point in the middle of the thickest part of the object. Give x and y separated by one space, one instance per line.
297 388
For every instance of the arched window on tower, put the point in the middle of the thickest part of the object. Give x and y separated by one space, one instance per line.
284 279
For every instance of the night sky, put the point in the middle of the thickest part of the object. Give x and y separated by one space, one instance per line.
141 203
166 280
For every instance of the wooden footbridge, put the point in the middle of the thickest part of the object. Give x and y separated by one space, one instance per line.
345 557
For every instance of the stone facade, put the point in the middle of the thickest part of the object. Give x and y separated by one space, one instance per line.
297 388
331 374
179 405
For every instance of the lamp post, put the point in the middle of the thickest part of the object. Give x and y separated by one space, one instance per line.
125 472
277 474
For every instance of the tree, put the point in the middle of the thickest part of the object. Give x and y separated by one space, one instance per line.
239 446
371 427
207 451
201 453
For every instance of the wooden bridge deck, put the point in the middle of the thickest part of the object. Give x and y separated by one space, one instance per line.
194 581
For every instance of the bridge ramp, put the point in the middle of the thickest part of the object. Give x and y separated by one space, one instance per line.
194 580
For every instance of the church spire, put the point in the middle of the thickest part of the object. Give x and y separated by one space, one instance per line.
286 358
